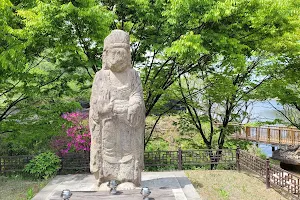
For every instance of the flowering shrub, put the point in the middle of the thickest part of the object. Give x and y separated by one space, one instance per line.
77 138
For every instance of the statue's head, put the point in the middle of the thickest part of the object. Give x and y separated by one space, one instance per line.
116 54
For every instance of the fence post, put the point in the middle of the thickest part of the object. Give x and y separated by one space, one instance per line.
238 159
179 153
268 173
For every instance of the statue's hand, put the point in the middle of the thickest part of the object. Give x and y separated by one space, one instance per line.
120 107
132 116
106 108
109 107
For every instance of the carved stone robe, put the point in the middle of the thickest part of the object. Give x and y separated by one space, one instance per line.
117 122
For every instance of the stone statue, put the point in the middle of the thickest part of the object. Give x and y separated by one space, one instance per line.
117 116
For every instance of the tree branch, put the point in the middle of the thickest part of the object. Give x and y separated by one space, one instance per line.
210 120
284 115
5 114
150 67
196 121
27 70
53 80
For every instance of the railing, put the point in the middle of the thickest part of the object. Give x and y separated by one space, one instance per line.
286 181
13 163
75 161
173 159
183 158
208 156
273 175
270 135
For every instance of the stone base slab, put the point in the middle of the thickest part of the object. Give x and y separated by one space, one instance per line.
156 194
160 183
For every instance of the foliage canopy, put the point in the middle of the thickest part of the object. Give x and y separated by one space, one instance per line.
212 56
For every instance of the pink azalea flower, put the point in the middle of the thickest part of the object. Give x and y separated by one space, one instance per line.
77 138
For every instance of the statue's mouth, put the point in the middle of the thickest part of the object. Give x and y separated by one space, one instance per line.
118 66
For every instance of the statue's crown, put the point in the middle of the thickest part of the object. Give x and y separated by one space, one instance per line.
117 38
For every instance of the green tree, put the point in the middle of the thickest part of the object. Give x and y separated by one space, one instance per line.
151 35
170 39
64 37
12 61
228 40
285 88
248 46
70 35
44 62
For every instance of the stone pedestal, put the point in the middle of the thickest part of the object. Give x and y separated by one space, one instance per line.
157 194
163 185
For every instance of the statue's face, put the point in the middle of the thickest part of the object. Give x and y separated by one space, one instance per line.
117 59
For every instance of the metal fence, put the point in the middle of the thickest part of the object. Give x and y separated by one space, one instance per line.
286 181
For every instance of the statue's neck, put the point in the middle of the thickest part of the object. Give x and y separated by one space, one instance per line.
119 78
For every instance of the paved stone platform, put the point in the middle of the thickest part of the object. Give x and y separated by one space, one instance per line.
156 194
162 184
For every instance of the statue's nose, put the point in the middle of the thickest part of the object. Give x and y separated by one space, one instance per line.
117 59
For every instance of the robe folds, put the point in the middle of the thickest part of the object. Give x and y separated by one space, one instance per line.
117 124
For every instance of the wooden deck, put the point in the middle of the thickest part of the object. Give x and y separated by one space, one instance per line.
270 135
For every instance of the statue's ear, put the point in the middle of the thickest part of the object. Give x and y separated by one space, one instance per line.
130 59
104 60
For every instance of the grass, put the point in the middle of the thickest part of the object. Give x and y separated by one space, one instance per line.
18 188
230 185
